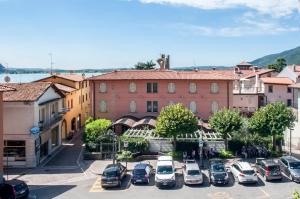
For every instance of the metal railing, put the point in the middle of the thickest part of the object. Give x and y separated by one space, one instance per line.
45 125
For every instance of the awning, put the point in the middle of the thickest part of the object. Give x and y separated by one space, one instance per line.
149 121
127 121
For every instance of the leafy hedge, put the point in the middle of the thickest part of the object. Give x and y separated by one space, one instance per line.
135 144
225 154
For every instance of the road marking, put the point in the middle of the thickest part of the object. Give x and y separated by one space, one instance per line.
266 194
220 195
97 186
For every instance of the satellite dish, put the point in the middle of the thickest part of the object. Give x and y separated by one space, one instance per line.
7 79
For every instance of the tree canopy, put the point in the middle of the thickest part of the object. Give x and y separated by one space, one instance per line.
95 131
225 122
272 120
145 65
279 65
174 120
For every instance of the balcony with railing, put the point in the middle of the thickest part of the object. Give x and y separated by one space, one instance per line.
47 124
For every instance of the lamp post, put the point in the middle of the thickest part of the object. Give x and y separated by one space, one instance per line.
291 129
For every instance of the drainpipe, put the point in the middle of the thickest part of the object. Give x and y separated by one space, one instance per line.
94 103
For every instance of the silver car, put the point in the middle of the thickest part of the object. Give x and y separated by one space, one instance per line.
192 174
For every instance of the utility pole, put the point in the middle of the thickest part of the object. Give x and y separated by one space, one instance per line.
51 63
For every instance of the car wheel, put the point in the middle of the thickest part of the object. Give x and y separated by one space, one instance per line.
266 178
119 184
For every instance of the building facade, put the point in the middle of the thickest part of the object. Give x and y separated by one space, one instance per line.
37 108
77 101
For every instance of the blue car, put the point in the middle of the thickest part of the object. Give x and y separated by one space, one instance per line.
142 173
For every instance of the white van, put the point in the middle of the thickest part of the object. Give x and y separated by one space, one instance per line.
165 172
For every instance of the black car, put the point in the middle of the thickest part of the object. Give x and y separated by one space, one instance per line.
268 169
290 166
217 172
142 173
13 189
112 175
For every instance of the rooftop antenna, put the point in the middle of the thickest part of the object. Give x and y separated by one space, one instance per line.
51 63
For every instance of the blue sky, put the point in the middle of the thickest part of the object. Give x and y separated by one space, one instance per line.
119 33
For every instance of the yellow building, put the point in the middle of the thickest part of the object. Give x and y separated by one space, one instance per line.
77 101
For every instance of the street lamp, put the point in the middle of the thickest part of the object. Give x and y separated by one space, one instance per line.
291 129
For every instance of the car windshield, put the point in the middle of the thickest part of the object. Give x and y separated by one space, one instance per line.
248 172
110 173
274 168
193 172
295 165
164 170
139 172
218 168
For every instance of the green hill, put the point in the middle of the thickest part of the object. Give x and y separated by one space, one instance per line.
291 56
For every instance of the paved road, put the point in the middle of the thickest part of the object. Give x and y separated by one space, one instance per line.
91 188
68 155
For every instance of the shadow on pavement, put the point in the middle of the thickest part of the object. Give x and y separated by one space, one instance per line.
47 192
126 183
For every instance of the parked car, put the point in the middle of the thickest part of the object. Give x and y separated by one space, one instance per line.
290 166
217 172
244 172
165 172
142 173
188 161
268 169
192 174
13 189
112 175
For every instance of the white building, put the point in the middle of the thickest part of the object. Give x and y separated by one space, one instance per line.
32 123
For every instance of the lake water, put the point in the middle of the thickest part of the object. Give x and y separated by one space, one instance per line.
24 78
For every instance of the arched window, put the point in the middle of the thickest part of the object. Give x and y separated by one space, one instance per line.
214 88
103 87
171 88
193 106
193 87
103 106
132 87
214 106
132 106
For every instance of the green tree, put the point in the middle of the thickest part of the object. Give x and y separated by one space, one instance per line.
279 65
175 120
145 66
272 120
226 122
96 130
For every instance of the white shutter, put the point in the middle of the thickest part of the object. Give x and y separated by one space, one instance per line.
193 106
103 87
214 88
193 87
132 87
103 108
171 88
132 106
214 107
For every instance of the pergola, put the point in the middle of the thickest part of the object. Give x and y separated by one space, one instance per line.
199 134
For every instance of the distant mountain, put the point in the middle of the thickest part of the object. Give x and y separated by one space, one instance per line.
2 68
291 56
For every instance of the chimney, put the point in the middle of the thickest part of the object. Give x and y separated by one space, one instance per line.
163 62
167 65
294 68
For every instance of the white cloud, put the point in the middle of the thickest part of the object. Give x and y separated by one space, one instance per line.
276 8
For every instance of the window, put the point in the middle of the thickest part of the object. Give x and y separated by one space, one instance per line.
132 87
68 104
132 106
171 88
289 102
71 103
103 88
103 106
193 88
214 88
214 107
82 97
152 87
193 106
289 90
86 96
15 149
270 89
152 106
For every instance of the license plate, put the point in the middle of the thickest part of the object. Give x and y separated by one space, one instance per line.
139 180
164 183
219 182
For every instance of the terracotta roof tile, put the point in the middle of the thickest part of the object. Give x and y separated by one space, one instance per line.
64 88
244 63
297 85
173 75
4 88
277 80
72 77
252 73
26 91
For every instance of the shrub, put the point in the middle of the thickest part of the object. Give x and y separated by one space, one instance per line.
136 144
96 130
176 154
225 154
296 195
124 155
